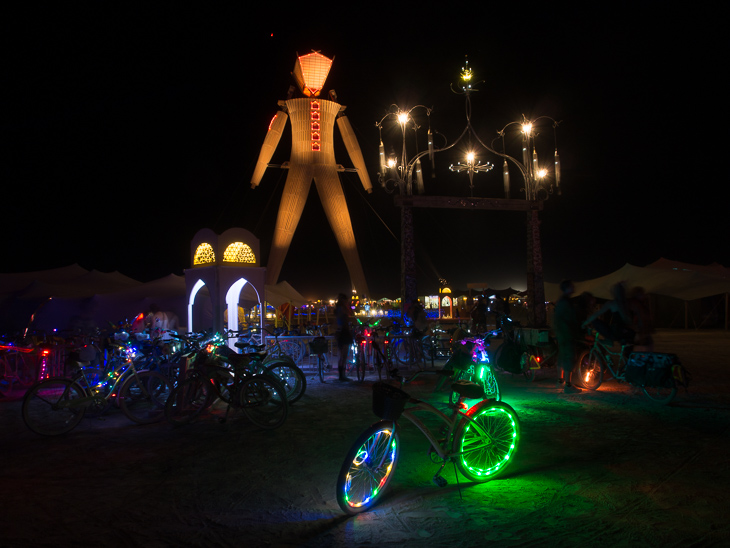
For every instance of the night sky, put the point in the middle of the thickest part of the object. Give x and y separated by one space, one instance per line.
124 132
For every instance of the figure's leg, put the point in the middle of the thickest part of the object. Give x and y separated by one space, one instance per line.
290 211
335 207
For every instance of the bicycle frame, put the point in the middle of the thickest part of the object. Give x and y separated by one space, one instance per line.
117 377
451 422
608 357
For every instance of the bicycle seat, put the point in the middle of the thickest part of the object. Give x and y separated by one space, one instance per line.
468 389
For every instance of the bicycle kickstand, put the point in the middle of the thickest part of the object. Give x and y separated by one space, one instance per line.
438 479
224 418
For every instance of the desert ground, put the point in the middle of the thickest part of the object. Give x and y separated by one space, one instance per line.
603 468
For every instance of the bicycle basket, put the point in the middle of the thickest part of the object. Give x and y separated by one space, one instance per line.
388 401
318 345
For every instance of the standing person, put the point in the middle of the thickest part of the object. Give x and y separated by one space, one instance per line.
618 328
641 321
479 316
566 329
343 334
418 317
419 324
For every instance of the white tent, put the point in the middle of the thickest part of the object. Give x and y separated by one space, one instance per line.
663 278
686 282
61 298
283 292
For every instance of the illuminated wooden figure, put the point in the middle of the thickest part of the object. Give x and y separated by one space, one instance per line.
313 157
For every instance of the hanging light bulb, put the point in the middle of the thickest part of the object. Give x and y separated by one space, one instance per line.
505 178
393 164
526 152
419 177
431 154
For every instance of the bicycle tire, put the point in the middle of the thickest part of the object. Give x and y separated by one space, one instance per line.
94 381
486 444
188 400
144 395
590 370
496 358
402 352
368 468
290 377
526 365
48 407
661 395
360 364
263 401
428 348
379 364
320 366
292 349
224 380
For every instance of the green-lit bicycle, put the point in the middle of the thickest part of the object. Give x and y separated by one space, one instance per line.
481 442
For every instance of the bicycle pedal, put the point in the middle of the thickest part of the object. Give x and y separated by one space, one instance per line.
440 481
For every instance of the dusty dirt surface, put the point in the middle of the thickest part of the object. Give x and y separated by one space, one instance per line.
603 468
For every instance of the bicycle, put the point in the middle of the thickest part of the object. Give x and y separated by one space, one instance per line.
14 370
471 362
257 359
286 347
383 356
319 346
56 405
436 345
510 356
481 442
408 348
359 344
656 373
261 398
539 357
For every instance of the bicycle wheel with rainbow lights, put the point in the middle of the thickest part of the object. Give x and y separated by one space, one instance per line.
368 468
487 443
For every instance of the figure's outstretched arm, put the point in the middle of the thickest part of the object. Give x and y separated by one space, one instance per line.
276 128
353 149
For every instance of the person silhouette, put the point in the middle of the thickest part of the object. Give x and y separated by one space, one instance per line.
566 328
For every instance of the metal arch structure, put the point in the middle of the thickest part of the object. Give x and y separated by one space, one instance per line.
313 158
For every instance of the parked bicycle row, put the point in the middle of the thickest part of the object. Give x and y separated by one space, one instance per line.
181 377
150 382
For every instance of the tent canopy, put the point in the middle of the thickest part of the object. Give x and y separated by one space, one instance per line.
283 292
669 278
